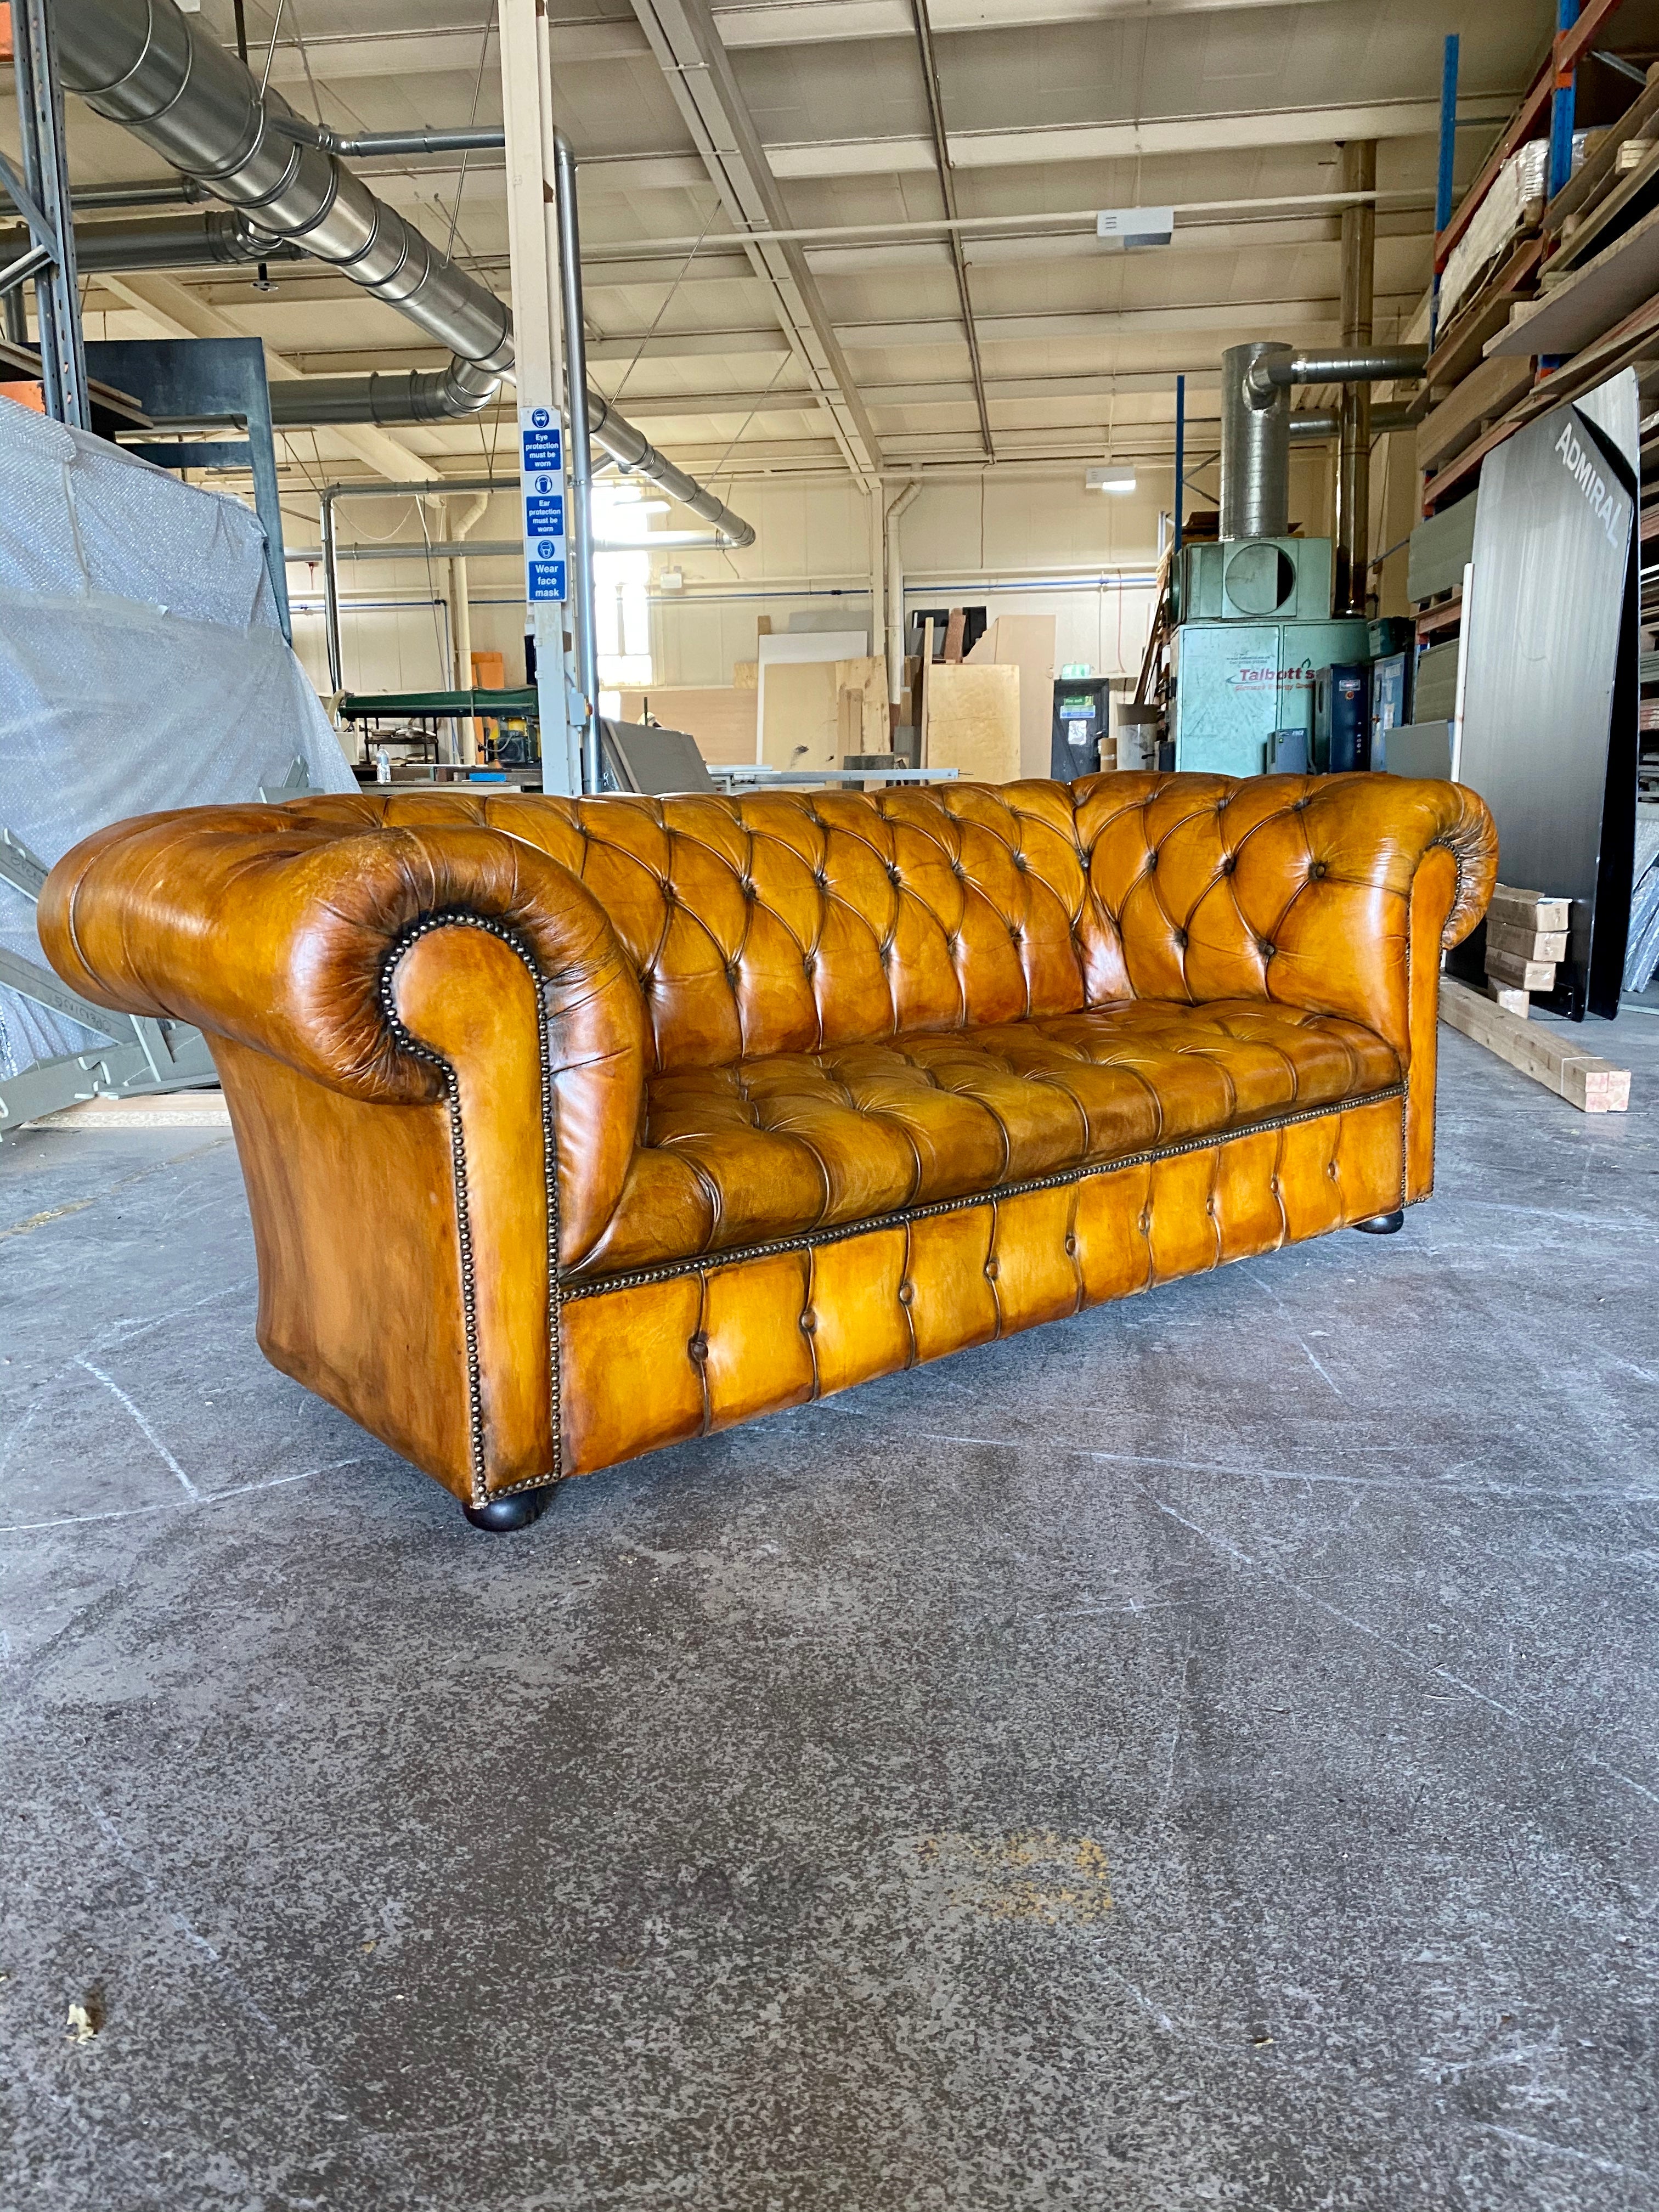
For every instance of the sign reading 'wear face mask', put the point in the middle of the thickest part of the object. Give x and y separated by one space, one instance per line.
541 466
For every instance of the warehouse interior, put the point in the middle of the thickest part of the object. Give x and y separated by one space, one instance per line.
648 647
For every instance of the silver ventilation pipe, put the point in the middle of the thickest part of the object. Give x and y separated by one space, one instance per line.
1268 372
215 239
1326 423
1255 422
145 65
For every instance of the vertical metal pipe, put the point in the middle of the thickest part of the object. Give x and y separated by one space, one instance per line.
331 595
579 460
1353 474
46 173
1443 190
17 321
1256 445
1180 457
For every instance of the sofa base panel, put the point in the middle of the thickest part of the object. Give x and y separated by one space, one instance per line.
681 1351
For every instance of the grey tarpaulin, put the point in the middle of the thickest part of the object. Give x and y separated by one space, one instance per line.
141 667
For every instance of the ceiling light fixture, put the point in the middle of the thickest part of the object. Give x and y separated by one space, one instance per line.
1110 479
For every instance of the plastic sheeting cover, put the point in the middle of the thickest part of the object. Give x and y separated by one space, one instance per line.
141 666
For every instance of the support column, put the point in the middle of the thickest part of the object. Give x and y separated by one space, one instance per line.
460 622
876 497
532 254
1354 472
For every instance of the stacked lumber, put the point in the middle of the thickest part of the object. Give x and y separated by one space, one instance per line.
1576 286
1526 940
1593 1085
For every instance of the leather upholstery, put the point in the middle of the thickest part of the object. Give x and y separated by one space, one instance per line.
847 1080
774 1146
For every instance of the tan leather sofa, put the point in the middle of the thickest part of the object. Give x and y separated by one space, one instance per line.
574 1128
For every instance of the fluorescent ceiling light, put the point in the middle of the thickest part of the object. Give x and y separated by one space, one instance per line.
1110 479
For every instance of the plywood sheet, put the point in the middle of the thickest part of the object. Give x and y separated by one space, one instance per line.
973 722
802 701
1026 642
722 721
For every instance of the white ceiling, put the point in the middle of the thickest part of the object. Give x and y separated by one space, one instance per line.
1052 108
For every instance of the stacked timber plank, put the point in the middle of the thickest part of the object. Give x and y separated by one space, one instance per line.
1592 1084
1576 289
1526 940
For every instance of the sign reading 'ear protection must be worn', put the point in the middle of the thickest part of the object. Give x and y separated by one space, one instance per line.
541 465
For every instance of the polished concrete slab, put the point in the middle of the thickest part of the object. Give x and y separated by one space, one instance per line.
1201 1755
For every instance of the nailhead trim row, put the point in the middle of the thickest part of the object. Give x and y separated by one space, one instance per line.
400 945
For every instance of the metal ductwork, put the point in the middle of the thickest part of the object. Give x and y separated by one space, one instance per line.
215 239
1326 423
1255 444
161 74
1256 422
1269 373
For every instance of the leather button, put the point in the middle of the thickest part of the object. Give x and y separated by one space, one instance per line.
808 964
892 875
958 872
698 1347
820 880
1181 941
1071 1248
1317 869
906 1294
1266 949
992 1270
1331 1171
1021 862
749 890
1147 1223
1152 864
809 1321
1228 863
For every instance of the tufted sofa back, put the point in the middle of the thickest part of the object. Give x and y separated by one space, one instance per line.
791 921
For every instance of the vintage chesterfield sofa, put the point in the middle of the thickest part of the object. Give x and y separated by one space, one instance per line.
572 1128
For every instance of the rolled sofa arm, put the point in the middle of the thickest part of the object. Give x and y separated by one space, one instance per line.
279 934
1306 890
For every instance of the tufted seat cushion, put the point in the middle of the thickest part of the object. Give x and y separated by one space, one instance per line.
772 1147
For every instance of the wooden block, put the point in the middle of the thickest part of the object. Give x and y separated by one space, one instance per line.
955 629
1524 975
1594 1085
746 675
1519 909
1511 1001
1525 944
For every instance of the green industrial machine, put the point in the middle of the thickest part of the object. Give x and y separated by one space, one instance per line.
1254 626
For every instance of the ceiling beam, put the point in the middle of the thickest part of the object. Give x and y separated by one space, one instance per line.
948 195
699 74
804 22
586 40
1260 129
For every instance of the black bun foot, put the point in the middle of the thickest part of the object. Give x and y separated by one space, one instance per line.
516 1511
1382 1225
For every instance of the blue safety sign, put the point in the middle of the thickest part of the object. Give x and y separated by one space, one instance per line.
541 454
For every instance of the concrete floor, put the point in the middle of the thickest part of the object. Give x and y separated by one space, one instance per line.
1202 1754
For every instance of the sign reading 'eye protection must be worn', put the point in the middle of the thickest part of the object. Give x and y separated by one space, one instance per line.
541 463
